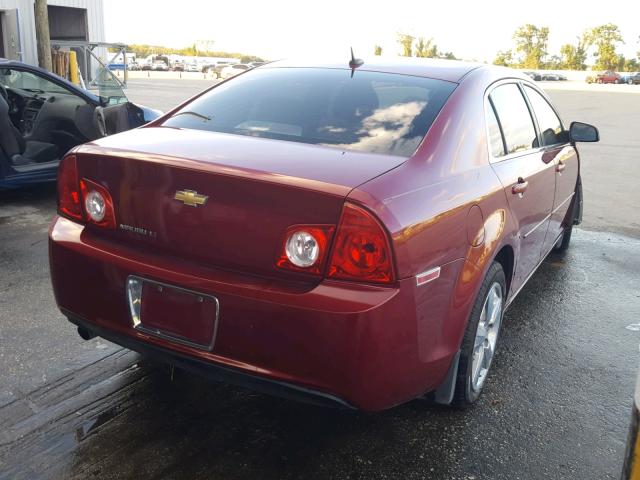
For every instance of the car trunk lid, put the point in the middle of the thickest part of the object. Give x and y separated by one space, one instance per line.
249 190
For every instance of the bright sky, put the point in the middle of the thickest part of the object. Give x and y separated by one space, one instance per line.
473 30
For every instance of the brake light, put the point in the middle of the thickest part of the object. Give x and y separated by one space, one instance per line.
361 248
69 189
98 205
305 248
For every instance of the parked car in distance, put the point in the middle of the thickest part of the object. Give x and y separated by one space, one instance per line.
217 68
42 116
256 64
310 229
206 67
178 67
233 70
192 67
159 66
608 76
631 78
551 77
533 76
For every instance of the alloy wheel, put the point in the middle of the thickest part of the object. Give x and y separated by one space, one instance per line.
486 336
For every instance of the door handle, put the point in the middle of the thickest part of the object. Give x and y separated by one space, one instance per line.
520 187
561 166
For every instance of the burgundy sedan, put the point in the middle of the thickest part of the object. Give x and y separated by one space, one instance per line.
345 236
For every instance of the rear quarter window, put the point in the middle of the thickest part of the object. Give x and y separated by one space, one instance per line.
369 111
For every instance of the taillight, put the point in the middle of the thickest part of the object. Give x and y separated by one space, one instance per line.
361 248
305 247
98 205
69 189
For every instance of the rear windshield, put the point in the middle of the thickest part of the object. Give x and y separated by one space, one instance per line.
370 112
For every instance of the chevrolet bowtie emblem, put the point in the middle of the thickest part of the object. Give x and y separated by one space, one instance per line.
190 198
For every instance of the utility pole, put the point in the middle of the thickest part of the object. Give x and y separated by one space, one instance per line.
42 34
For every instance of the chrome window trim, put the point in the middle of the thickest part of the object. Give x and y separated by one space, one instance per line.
519 83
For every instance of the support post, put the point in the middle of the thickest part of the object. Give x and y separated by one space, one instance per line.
42 34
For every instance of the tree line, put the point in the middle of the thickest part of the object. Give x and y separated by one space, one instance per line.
143 51
531 52
418 47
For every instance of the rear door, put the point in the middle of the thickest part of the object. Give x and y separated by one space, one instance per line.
559 153
527 175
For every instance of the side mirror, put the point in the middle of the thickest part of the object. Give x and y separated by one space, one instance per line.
583 132
115 100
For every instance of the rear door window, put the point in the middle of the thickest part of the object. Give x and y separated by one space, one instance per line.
515 118
549 123
369 111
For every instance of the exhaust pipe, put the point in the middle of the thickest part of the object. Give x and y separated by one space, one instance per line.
85 334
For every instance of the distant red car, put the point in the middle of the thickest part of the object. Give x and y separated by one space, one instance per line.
342 234
608 77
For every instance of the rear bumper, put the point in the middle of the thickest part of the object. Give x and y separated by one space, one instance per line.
213 371
333 343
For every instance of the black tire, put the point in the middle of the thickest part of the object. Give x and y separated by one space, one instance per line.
465 394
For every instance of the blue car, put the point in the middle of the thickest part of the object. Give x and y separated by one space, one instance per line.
630 78
42 116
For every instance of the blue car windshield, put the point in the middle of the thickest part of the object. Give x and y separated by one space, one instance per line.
370 112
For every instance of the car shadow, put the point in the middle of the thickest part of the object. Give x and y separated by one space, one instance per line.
36 196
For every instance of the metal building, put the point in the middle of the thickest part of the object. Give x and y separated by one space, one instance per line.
80 20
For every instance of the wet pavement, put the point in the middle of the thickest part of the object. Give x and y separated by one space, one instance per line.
556 405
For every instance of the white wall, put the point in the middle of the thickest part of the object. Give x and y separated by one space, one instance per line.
95 22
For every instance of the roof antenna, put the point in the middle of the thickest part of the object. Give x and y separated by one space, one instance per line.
354 63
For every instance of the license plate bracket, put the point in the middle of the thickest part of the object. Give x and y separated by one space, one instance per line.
173 313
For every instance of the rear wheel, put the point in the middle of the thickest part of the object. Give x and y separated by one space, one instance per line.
481 338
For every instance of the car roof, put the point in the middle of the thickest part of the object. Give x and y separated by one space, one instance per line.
449 70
